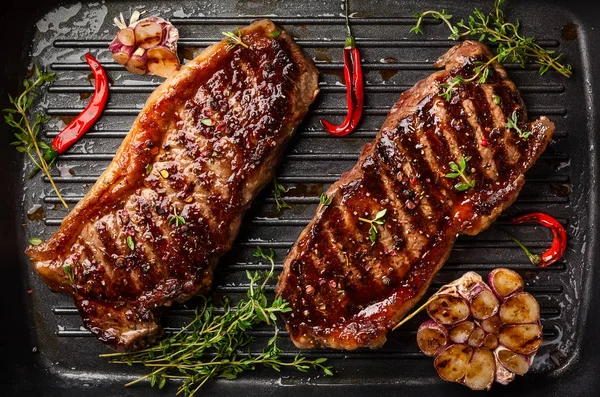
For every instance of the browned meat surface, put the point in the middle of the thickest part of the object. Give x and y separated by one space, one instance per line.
347 292
129 255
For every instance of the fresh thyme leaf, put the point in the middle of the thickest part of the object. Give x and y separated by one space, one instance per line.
325 199
68 269
130 243
216 345
378 219
380 214
461 187
148 168
275 33
278 191
207 122
28 128
235 38
497 99
35 241
373 233
460 171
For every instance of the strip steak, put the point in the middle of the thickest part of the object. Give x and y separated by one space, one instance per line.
207 141
346 291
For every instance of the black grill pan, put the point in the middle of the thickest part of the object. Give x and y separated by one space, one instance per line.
45 350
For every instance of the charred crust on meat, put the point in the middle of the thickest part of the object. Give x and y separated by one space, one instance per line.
210 173
403 170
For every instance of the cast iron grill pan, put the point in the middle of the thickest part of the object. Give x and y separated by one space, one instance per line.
393 60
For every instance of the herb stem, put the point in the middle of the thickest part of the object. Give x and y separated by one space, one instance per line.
180 356
437 15
22 99
493 28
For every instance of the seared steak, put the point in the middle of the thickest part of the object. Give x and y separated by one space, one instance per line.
345 289
153 227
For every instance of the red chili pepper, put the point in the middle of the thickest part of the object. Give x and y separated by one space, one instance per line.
559 243
86 119
353 78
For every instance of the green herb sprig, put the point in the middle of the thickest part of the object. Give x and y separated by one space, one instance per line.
234 39
481 72
211 345
28 131
68 269
279 190
493 28
378 220
513 123
176 219
325 199
460 172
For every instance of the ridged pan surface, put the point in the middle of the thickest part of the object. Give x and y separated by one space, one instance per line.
562 183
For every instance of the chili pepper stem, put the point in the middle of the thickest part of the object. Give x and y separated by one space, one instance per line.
348 31
533 258
559 241
350 42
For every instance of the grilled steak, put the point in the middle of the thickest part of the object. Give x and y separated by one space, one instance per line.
348 284
153 227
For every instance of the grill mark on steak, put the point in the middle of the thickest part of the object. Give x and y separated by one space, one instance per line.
353 303
255 97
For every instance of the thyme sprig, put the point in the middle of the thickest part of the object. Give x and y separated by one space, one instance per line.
211 345
513 123
325 199
460 172
378 220
533 258
176 219
68 269
234 39
28 130
493 28
278 191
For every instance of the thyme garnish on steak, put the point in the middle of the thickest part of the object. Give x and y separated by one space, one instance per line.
513 123
235 38
176 219
325 199
216 345
460 171
378 220
68 269
28 130
511 44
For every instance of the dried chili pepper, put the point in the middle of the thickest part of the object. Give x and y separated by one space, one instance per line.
559 242
354 87
86 119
